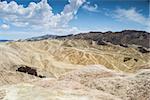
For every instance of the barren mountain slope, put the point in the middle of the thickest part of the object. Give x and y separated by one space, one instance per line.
122 38
70 69
80 52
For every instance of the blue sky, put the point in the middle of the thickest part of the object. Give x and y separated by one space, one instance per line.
28 18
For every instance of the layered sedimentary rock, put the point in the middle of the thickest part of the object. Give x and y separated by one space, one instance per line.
49 53
73 69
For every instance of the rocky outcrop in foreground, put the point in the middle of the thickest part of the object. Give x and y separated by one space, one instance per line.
89 83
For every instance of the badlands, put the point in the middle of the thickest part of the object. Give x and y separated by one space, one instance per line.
71 68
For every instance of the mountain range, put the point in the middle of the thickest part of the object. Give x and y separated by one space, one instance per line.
122 38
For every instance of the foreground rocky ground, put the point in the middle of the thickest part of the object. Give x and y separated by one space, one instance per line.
73 69
90 83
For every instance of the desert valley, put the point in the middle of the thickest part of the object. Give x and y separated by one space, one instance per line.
74 49
76 67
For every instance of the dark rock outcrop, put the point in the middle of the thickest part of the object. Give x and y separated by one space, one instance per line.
26 69
29 70
143 50
127 59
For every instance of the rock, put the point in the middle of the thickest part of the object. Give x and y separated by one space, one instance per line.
26 69
143 50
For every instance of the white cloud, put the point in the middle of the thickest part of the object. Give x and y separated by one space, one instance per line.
132 15
91 8
4 27
39 16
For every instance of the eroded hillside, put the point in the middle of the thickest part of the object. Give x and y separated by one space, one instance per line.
73 69
79 52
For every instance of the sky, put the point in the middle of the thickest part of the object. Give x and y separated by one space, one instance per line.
20 19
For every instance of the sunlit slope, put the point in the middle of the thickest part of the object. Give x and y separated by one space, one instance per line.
29 55
64 54
74 70
90 83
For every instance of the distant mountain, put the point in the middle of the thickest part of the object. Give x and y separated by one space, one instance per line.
5 40
41 38
44 37
122 38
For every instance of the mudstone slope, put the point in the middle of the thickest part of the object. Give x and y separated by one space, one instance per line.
71 68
